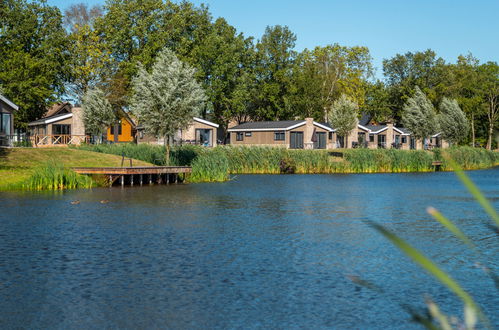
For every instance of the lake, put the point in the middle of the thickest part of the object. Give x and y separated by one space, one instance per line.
260 251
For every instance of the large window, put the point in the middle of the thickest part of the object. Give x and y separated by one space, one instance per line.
371 137
204 137
5 123
239 136
404 139
61 129
278 136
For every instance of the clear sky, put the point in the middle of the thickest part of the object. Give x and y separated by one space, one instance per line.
449 27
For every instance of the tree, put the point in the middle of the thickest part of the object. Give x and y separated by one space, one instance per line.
489 85
452 121
80 14
275 60
404 72
419 115
98 114
166 98
343 116
33 56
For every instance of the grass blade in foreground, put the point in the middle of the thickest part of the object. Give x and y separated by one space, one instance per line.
450 226
433 269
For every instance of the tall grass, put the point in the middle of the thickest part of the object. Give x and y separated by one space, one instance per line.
215 164
54 176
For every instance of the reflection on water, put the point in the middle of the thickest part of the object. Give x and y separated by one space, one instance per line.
260 251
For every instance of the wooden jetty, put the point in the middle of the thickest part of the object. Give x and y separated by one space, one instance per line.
437 165
138 175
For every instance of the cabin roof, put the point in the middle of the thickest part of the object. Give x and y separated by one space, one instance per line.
282 125
51 119
9 102
376 128
365 119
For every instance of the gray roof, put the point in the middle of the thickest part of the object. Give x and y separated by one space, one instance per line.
404 130
268 124
44 119
365 119
375 128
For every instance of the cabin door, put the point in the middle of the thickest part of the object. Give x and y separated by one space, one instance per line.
320 140
296 140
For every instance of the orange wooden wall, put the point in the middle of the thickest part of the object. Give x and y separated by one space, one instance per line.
126 132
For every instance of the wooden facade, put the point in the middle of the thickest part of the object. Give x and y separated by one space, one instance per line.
126 130
199 132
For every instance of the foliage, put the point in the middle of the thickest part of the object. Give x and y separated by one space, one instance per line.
98 113
452 121
275 61
166 99
343 115
32 56
489 77
53 176
419 116
324 73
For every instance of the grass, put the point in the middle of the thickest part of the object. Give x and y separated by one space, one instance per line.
17 165
217 163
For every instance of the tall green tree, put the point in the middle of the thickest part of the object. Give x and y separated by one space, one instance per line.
33 56
489 78
98 113
419 115
452 121
275 61
225 59
166 98
343 116
404 72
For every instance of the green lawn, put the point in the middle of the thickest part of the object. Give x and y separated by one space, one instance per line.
17 164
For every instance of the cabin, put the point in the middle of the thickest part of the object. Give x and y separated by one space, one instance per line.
126 127
291 134
7 109
199 132
61 125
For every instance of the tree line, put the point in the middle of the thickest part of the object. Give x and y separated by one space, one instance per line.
46 55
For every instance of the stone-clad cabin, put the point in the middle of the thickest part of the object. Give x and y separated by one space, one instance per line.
292 134
199 132
7 109
61 125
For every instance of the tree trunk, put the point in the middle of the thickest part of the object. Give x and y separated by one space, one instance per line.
491 132
116 131
472 130
167 148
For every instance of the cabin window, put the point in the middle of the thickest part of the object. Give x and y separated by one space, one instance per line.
330 135
61 129
371 137
278 136
239 136
404 139
5 123
247 134
120 129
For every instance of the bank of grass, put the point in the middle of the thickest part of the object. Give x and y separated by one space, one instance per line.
216 164
29 166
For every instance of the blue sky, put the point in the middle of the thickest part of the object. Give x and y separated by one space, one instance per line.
448 27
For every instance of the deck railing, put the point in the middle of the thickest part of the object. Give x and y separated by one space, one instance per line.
58 139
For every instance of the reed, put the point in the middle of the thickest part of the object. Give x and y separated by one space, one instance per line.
209 164
54 176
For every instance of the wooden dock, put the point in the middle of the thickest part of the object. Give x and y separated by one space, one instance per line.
138 175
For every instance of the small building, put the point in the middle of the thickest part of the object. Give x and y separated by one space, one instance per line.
127 129
292 134
7 109
199 132
60 126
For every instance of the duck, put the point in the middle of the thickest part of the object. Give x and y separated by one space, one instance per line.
104 201
75 202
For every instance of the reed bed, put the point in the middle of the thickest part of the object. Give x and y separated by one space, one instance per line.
54 176
215 164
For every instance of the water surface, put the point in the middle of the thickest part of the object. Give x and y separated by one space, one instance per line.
260 251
